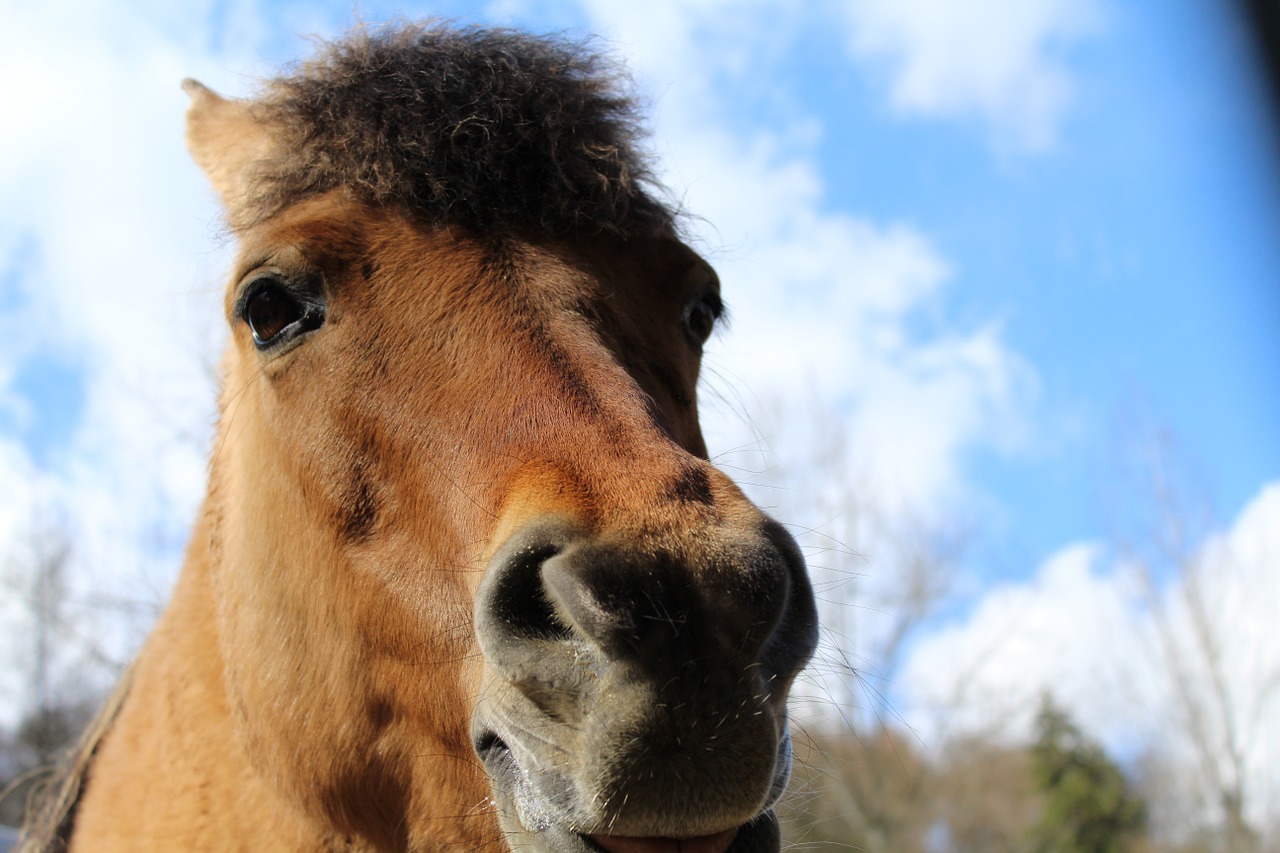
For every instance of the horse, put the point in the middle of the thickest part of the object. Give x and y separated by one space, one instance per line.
464 576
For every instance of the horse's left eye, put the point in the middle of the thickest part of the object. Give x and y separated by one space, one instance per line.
700 318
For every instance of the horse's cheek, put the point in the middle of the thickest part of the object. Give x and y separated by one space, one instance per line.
285 648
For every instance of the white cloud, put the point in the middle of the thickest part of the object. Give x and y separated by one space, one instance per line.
1001 60
1083 630
1021 640
107 231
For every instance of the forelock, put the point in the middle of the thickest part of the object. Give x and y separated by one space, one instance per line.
483 128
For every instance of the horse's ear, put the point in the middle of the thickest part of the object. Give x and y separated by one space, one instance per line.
226 142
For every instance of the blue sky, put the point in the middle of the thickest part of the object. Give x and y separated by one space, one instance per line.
1133 264
1140 260
995 247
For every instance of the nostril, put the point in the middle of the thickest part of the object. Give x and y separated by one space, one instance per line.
519 600
487 743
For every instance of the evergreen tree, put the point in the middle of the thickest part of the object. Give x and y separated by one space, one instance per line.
1088 805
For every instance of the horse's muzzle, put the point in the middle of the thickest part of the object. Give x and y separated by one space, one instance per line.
636 687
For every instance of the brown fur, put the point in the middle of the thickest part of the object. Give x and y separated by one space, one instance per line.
312 684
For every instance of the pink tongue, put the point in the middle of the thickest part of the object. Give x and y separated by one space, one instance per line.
717 843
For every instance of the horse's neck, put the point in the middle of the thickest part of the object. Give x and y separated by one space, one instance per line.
170 772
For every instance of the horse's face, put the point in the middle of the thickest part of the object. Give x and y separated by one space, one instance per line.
462 508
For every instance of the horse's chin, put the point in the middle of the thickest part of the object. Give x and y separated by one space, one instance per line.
531 823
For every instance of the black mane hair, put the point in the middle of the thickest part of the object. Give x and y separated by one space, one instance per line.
485 128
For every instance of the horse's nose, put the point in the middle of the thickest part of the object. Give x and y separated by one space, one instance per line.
655 605
639 681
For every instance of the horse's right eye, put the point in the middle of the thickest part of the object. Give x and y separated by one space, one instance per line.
276 314
269 312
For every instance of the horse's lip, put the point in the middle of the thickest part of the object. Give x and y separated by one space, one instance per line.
517 802
758 836
717 843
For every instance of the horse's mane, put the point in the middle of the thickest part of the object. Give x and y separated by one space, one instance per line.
478 127
51 816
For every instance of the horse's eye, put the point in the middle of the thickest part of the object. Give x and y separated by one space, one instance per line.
269 311
700 318
276 314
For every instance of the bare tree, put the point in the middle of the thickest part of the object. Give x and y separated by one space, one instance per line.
986 799
1186 577
880 573
49 646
